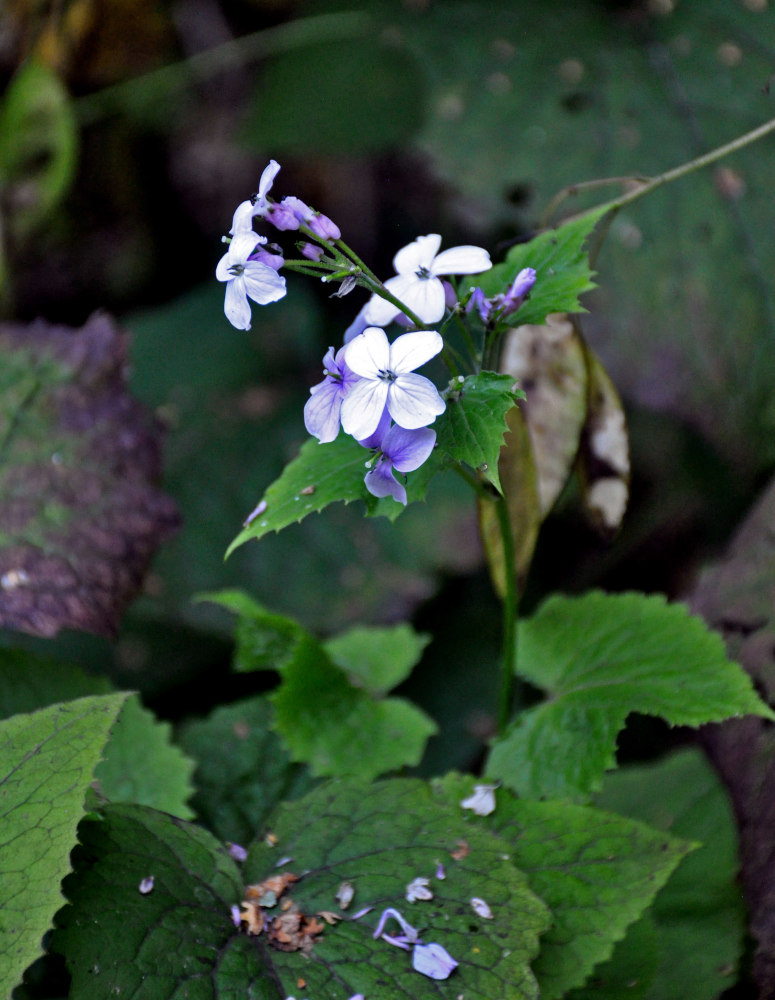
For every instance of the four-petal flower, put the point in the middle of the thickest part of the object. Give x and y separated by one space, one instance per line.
387 380
246 278
417 282
403 450
322 409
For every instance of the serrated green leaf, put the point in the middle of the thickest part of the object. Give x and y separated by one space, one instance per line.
596 871
47 759
699 916
602 656
562 271
243 771
630 971
379 838
151 945
38 143
143 766
472 428
339 729
379 658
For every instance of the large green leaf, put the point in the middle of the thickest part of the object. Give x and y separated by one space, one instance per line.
47 760
596 871
243 771
699 917
600 657
378 658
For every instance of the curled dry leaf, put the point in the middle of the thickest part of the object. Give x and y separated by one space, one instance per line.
80 511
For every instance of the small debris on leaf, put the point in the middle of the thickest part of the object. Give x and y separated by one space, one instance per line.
481 908
344 895
329 916
254 514
440 873
461 850
237 852
146 885
419 889
433 961
482 801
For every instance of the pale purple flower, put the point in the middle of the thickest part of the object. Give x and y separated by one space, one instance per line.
417 283
257 205
387 380
506 303
433 961
323 408
403 450
357 326
246 278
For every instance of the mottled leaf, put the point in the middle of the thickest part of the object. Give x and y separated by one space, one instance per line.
80 512
604 456
243 771
548 360
47 759
380 838
143 766
517 470
699 917
735 596
596 871
600 657
474 424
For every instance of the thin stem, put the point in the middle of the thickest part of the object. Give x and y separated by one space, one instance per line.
510 604
573 189
647 186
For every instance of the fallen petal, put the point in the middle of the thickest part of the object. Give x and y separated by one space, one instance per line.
433 961
481 908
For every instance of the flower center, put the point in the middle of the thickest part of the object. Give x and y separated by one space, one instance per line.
386 375
423 273
236 269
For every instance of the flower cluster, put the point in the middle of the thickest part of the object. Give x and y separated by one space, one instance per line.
370 387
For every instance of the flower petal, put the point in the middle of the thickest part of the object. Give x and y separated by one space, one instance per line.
369 353
236 305
381 482
376 439
418 254
411 350
243 245
362 407
262 283
462 260
243 218
378 311
267 179
322 409
426 298
413 401
408 449
433 961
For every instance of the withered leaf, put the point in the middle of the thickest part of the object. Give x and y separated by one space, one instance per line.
80 511
736 598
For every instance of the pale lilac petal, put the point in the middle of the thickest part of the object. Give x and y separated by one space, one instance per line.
425 297
375 440
262 283
243 245
222 269
402 286
358 325
267 179
411 350
243 218
433 961
322 409
379 312
408 449
414 401
380 482
369 353
236 305
362 407
462 260
418 254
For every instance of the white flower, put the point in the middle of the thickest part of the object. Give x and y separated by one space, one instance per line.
246 278
417 284
257 205
482 802
387 380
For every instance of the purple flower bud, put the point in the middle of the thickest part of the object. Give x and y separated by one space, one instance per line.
482 305
320 224
312 252
238 852
282 216
433 961
520 288
270 255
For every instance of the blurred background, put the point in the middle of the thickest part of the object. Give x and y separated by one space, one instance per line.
131 129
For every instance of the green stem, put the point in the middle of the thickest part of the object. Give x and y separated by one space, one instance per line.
510 606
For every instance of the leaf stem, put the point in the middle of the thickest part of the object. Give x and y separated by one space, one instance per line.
509 627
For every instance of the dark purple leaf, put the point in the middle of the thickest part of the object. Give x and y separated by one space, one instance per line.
80 511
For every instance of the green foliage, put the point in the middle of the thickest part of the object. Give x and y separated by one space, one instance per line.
143 766
153 945
380 838
325 715
47 759
699 917
379 658
601 657
597 872
38 144
243 771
